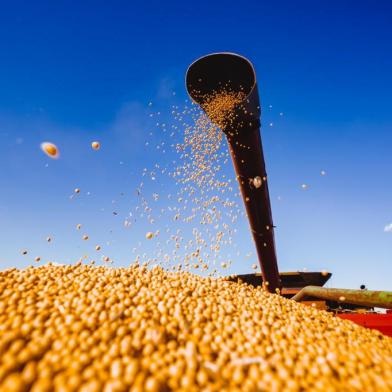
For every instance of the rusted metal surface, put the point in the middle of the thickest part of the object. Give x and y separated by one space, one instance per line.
209 74
379 299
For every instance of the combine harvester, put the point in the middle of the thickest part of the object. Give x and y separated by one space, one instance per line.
209 75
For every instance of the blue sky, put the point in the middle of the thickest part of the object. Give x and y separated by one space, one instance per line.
73 72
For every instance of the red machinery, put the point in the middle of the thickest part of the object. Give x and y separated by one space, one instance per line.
206 76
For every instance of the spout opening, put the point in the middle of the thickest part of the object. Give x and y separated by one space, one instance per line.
211 73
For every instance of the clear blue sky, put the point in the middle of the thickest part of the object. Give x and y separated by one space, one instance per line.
73 72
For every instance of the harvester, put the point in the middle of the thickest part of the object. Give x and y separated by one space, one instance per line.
210 75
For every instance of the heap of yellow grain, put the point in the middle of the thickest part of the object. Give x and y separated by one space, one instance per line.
83 328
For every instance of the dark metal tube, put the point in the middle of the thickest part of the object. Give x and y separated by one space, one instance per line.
210 74
379 299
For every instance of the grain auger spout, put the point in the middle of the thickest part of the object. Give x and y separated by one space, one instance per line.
228 74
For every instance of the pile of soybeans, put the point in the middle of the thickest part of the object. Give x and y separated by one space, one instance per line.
84 328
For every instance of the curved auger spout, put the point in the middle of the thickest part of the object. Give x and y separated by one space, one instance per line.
209 75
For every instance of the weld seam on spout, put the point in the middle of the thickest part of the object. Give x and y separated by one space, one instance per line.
257 233
260 234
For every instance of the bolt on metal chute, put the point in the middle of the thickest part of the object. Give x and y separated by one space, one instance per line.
211 74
